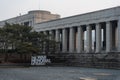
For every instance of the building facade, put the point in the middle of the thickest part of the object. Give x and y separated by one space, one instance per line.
32 18
94 32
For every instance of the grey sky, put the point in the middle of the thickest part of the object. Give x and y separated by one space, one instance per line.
12 8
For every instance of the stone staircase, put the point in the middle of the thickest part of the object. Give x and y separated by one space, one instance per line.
99 60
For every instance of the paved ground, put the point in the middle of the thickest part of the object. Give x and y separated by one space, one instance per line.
58 73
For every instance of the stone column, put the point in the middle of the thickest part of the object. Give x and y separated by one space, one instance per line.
45 32
57 35
98 38
89 38
64 40
108 36
72 40
50 35
104 38
57 38
118 39
44 43
79 40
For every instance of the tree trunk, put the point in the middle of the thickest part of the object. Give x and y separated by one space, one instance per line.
6 57
25 57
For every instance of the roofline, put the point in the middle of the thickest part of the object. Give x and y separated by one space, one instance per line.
79 15
13 18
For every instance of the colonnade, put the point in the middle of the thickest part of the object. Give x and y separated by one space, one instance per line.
79 39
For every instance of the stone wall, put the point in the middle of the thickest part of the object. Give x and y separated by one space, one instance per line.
99 60
15 58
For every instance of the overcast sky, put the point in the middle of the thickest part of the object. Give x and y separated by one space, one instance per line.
12 8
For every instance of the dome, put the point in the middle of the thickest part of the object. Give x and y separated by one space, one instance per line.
38 11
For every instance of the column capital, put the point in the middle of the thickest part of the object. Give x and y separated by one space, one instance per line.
108 22
97 24
87 25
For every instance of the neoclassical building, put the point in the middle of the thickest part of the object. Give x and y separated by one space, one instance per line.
94 32
31 18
